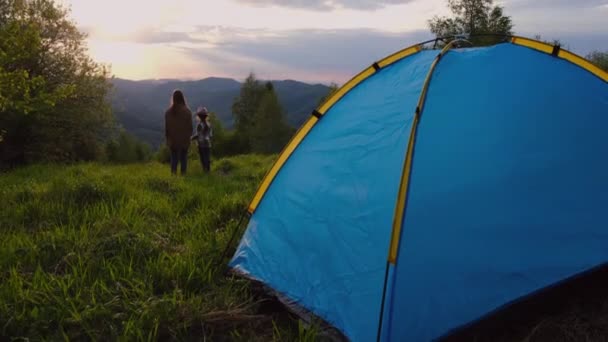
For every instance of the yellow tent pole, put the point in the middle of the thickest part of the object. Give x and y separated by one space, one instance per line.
407 166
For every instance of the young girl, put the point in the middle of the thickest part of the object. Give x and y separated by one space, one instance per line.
204 133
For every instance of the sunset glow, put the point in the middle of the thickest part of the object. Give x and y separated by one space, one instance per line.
195 39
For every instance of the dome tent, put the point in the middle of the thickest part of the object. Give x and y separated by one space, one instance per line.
436 187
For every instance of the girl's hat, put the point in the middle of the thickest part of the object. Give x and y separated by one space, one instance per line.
202 112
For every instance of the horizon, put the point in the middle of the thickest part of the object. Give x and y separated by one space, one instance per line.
315 42
239 80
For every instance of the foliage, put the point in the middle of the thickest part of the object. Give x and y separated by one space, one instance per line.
53 97
599 58
473 17
245 107
234 144
223 141
127 149
163 155
94 252
269 131
259 118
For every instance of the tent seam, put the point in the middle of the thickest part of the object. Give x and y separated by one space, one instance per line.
404 185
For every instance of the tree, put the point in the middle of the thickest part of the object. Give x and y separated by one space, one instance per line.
245 106
599 58
53 97
269 131
473 17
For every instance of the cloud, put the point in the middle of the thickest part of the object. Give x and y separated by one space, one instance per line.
552 4
314 55
158 37
324 5
316 40
311 55
559 18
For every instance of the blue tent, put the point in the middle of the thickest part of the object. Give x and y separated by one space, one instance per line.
436 187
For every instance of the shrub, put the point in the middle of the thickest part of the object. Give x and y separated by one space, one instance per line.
127 149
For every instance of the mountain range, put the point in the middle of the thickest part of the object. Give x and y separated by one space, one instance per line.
139 106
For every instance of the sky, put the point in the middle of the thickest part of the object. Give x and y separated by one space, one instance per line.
308 40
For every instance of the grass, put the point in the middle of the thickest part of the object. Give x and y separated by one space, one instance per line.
98 252
130 253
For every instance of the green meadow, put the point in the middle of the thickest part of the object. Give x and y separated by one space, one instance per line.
99 252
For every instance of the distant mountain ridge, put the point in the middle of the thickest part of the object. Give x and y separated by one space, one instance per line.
140 105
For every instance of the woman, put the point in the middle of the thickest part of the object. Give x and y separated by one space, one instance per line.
203 137
178 128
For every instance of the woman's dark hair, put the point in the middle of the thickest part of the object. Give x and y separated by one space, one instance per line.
178 99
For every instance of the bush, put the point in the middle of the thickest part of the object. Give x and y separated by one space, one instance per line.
163 155
232 144
127 149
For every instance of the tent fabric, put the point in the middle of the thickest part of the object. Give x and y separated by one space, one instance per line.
505 197
321 233
508 191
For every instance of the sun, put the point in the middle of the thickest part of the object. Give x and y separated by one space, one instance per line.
142 61
125 53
